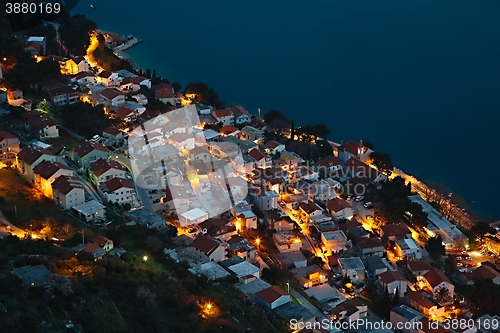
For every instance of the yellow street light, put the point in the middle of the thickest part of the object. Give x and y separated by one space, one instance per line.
145 258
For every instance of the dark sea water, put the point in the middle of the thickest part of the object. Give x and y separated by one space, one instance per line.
419 78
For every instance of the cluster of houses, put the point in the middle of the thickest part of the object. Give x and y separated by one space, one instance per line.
218 175
51 174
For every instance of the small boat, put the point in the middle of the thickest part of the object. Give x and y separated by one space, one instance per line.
92 6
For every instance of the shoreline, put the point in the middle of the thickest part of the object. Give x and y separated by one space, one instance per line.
119 50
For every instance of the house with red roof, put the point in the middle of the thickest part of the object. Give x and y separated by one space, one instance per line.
113 134
392 281
240 115
339 209
36 45
261 158
86 152
223 116
68 191
63 96
9 146
353 149
273 297
107 78
395 231
435 279
29 157
103 169
46 172
105 243
133 84
309 210
419 267
126 114
208 249
219 227
420 302
229 130
117 190
164 93
350 310
272 147
370 246
113 97
42 127
74 65
84 78
330 165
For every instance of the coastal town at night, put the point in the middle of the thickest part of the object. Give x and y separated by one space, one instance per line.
129 203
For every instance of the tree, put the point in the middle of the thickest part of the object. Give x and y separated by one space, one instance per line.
177 86
435 247
369 144
383 162
74 32
395 298
204 94
481 229
273 275
274 115
386 305
442 295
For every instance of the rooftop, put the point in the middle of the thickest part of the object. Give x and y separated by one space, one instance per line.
354 263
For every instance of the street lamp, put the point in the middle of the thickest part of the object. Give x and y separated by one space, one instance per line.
145 258
288 287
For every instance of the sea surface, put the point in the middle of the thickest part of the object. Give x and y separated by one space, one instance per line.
419 78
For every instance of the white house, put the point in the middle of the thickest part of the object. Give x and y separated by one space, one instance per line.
330 165
350 310
164 93
340 209
240 115
273 297
262 159
223 116
393 280
104 169
9 146
29 157
435 279
353 268
208 249
46 172
119 190
90 211
335 240
113 97
68 191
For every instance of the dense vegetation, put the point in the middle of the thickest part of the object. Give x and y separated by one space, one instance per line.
82 118
74 33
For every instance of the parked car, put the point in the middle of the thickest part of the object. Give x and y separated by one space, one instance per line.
368 205
369 217
156 200
359 198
